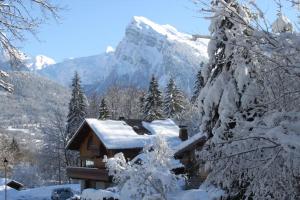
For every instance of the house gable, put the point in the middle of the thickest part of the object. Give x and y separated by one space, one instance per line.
91 146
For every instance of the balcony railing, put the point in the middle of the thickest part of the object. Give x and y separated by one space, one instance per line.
88 174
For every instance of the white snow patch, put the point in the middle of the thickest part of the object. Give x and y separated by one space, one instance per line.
42 61
116 134
98 194
162 127
203 193
166 129
39 62
109 49
34 193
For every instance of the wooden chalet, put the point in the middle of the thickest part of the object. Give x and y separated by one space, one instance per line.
96 138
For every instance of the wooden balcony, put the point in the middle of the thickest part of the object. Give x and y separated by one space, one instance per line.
88 174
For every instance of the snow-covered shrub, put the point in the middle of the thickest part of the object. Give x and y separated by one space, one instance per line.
147 177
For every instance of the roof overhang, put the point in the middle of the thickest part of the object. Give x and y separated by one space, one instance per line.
188 146
76 139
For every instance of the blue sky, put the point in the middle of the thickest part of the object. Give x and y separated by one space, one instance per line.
88 27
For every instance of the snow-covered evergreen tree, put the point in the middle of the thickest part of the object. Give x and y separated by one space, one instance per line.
10 150
199 83
153 102
14 146
173 101
103 110
77 107
248 104
142 103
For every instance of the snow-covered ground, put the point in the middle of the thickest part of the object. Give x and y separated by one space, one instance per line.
203 193
197 194
40 193
44 193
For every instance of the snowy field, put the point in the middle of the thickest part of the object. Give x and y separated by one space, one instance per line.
41 193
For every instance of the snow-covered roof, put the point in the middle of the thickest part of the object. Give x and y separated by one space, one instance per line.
166 127
190 143
116 134
10 184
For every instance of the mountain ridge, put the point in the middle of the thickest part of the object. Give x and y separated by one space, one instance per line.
146 49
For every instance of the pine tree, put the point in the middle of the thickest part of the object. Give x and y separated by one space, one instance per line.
77 107
14 149
14 146
142 103
173 101
103 110
153 102
199 83
220 63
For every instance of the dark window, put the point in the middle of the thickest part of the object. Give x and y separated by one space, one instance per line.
90 143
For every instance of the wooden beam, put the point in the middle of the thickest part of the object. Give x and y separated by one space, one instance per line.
88 174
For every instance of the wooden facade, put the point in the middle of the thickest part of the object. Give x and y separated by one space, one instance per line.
92 172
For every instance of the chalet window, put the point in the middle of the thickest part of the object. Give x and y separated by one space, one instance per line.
89 163
90 143
92 148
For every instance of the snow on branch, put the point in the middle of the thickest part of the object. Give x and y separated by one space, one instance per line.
3 84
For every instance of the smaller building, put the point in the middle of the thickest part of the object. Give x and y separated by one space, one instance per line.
96 138
15 185
194 168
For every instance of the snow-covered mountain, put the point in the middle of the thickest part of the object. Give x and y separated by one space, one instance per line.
38 62
28 63
147 48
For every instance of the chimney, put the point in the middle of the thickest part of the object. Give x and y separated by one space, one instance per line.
183 133
121 118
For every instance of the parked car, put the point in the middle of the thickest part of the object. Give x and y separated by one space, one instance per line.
63 194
